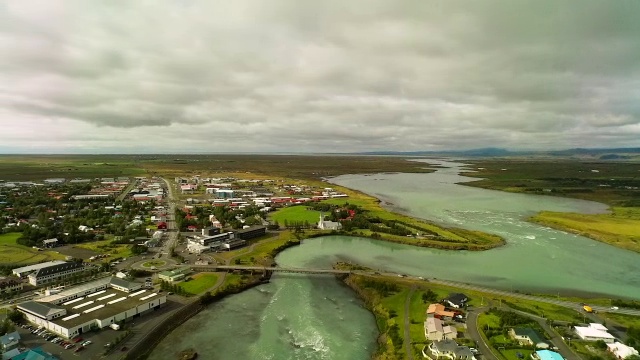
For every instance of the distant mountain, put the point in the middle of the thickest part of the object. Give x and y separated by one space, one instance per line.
601 153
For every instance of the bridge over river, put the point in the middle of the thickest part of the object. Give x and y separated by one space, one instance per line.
517 295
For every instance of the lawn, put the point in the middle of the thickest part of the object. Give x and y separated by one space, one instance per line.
156 263
13 253
512 354
107 247
621 228
297 213
199 283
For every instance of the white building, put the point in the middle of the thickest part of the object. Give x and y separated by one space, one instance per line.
328 225
434 330
54 273
594 332
26 270
97 304
621 351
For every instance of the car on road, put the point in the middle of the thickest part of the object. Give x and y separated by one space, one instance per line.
88 342
614 308
77 340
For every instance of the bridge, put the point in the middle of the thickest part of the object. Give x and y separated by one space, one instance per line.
268 269
512 294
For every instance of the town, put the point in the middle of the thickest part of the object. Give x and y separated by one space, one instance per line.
90 263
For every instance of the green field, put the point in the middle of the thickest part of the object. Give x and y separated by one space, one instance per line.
621 228
107 247
39 167
12 253
156 263
199 283
297 213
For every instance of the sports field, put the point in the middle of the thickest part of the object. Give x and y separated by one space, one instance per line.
297 213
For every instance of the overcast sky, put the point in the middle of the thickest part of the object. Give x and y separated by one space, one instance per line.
317 76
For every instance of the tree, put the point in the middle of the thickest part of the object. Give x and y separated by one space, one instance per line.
429 296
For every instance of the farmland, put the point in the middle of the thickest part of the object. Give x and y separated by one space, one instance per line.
13 253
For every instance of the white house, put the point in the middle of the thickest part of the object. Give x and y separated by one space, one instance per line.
594 332
621 351
434 330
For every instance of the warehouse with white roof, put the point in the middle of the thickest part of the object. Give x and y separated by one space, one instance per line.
97 304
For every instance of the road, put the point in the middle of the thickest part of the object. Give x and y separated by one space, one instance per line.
474 332
171 222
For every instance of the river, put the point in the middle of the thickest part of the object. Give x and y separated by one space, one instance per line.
316 317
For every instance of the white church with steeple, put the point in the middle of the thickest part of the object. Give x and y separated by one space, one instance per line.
328 225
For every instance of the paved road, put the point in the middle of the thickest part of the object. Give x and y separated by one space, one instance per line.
171 222
407 325
474 333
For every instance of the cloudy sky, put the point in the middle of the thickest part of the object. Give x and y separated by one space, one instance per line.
317 76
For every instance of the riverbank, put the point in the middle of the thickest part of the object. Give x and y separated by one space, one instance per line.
423 233
613 184
621 228
399 306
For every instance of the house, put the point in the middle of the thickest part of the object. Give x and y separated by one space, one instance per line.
328 225
9 341
621 351
54 273
49 243
10 284
546 355
438 310
450 349
594 332
528 336
434 330
174 275
456 300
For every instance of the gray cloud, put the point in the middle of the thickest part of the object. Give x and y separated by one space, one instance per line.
289 75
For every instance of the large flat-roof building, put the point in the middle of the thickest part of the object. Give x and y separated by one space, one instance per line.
54 273
594 332
97 304
251 232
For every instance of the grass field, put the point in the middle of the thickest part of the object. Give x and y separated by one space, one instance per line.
106 247
39 167
156 263
621 228
13 253
295 213
199 283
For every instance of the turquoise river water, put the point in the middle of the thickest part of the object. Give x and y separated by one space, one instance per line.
316 317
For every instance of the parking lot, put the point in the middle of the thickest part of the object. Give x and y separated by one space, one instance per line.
93 350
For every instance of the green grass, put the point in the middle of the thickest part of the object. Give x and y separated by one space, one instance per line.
156 263
39 167
106 247
511 354
624 320
297 213
199 283
621 228
488 320
14 253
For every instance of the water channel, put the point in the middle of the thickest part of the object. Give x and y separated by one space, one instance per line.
315 317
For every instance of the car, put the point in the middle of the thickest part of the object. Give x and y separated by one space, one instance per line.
169 293
420 278
79 349
77 340
107 344
88 342
614 308
69 346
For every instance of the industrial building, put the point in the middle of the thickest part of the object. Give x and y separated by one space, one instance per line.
251 232
97 304
24 271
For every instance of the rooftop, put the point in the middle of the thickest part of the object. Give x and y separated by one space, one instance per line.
54 269
101 305
37 266
531 334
